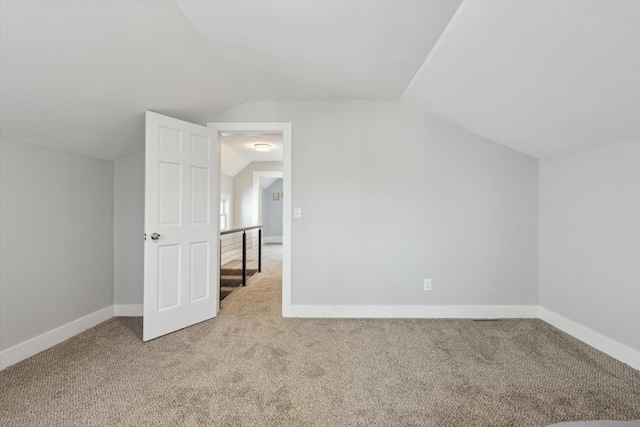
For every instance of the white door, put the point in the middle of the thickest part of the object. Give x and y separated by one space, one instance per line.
181 225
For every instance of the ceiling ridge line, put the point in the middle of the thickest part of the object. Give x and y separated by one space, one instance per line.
40 144
436 46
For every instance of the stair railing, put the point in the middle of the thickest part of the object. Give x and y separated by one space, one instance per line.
244 249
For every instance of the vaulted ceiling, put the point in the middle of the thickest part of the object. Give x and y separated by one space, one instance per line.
541 77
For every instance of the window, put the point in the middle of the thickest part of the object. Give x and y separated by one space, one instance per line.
224 211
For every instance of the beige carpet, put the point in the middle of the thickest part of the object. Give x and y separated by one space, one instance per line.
251 367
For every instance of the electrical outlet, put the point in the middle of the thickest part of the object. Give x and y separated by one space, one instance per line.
427 284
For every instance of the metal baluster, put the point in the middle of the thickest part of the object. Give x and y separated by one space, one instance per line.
244 258
259 250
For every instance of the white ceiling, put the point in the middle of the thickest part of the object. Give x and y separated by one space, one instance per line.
266 182
78 75
322 49
541 77
231 163
237 150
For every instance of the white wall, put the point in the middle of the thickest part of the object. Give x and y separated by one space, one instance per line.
590 239
56 233
129 229
272 212
391 195
243 192
226 184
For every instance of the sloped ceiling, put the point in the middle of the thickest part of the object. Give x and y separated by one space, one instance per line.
78 75
541 77
231 162
237 150
266 182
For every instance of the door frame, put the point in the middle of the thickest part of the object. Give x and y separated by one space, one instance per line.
287 211
257 192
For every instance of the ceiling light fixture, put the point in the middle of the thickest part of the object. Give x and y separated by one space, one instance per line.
262 147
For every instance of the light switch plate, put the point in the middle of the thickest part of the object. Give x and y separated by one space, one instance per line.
297 213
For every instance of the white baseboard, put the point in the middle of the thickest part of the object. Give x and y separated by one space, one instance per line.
607 345
413 311
42 342
272 239
128 310
595 339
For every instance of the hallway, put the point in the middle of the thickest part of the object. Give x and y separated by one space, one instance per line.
263 289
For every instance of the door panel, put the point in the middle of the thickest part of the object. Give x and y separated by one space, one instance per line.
170 187
200 146
181 276
169 265
170 139
200 196
200 267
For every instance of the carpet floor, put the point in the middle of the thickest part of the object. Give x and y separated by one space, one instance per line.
251 367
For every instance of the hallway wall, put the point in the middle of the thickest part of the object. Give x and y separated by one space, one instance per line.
272 213
243 192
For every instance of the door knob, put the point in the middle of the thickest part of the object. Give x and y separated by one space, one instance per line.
155 236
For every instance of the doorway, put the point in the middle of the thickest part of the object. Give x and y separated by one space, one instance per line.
260 180
242 219
271 197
